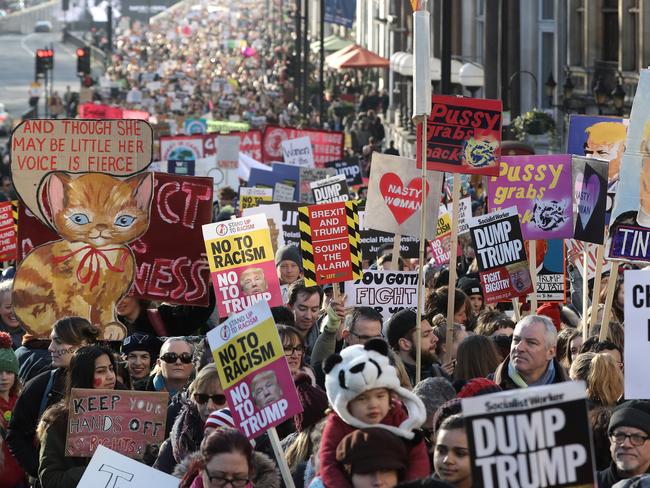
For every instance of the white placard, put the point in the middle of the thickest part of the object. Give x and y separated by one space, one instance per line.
298 152
637 332
283 193
464 214
329 190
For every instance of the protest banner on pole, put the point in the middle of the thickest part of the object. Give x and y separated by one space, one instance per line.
589 199
372 240
181 148
531 437
195 126
327 145
250 143
307 177
441 245
110 469
463 135
330 190
464 214
329 240
501 256
125 421
540 187
637 345
251 197
8 237
551 271
386 291
351 170
281 176
242 264
255 375
298 152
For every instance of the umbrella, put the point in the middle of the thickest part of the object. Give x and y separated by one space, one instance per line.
332 43
329 59
359 57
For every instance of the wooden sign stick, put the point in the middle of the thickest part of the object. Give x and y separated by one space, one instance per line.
396 248
452 268
532 262
611 285
336 293
423 226
585 291
279 456
595 295
515 308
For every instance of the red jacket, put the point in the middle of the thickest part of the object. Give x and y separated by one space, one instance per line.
11 474
332 473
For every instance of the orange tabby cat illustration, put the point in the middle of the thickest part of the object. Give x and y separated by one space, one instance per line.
91 268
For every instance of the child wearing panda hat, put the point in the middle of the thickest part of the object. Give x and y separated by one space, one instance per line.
364 391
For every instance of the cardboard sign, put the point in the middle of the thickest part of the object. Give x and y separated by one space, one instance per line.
251 197
531 437
253 371
330 190
227 126
637 346
298 152
387 292
629 230
98 111
242 265
250 143
277 218
108 469
395 196
551 272
283 193
184 168
327 146
285 174
464 214
463 135
575 251
38 147
195 126
540 188
501 255
352 171
8 238
441 245
125 421
590 199
372 240
166 269
329 240
181 148
307 177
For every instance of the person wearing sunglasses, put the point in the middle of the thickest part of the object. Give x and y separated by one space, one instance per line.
187 415
227 459
173 367
629 433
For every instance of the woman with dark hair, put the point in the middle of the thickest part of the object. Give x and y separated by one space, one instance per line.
294 351
451 455
476 357
572 347
436 302
90 367
227 457
46 389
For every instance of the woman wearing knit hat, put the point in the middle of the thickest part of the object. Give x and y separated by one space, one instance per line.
11 474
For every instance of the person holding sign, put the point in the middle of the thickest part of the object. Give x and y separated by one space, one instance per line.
90 367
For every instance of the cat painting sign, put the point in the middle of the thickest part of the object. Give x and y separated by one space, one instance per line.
463 135
242 263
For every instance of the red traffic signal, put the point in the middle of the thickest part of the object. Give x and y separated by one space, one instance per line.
83 60
45 53
44 60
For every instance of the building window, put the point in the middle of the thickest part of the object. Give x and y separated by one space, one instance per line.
631 37
480 30
546 64
609 39
547 10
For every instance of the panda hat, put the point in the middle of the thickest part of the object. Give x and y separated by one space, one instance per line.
361 368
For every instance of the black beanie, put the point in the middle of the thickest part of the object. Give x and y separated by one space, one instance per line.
471 286
399 325
289 253
633 413
142 342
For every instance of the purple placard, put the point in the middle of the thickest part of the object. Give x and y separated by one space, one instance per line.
630 242
541 189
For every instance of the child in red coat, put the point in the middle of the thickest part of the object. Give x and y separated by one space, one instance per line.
364 391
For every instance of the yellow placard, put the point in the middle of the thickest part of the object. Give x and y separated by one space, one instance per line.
238 250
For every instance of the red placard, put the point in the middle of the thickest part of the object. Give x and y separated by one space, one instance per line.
170 256
328 145
7 232
463 135
330 240
125 421
97 111
250 143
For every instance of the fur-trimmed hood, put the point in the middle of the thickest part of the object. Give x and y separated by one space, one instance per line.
267 475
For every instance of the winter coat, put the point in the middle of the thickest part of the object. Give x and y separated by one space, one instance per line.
501 378
332 473
22 428
33 359
265 472
11 474
185 437
607 478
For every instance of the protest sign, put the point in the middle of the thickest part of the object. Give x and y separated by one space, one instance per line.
125 421
242 264
278 219
352 171
501 256
195 126
387 292
441 245
253 371
540 188
637 334
283 193
395 196
298 152
251 197
551 271
629 231
589 199
330 190
108 469
307 177
531 437
284 174
99 111
8 239
463 135
227 126
327 145
185 168
166 269
575 251
250 143
372 240
464 214
38 147
329 240
181 148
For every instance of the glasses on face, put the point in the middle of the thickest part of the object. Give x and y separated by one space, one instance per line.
635 439
362 337
172 357
219 481
202 398
289 350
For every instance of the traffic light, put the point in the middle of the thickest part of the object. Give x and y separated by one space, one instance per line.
83 60
44 60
